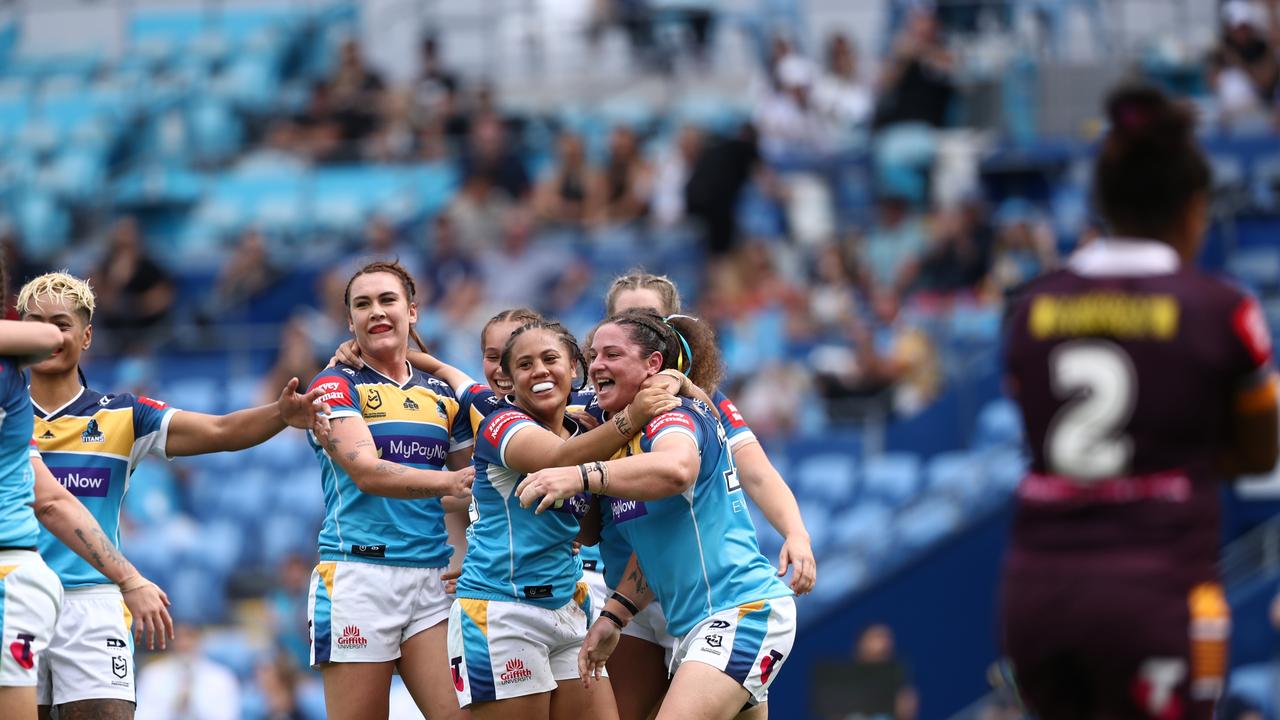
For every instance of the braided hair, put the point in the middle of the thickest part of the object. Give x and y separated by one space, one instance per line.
406 281
685 344
638 279
522 315
562 334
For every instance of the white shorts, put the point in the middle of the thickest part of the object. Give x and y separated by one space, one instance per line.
30 600
599 591
362 612
650 625
748 643
91 654
500 649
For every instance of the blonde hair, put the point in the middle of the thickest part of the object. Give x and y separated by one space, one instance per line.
61 286
640 280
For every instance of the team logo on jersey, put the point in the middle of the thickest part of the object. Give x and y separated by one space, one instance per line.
119 666
409 404
719 624
768 664
440 409
715 641
48 435
373 399
515 672
351 638
104 401
92 434
115 643
455 665
21 650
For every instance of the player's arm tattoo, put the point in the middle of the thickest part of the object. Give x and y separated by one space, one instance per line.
637 577
98 546
100 709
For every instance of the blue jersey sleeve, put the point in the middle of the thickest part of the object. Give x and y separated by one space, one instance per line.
338 391
150 426
735 426
461 432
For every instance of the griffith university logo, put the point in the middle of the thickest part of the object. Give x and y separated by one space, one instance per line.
516 672
351 638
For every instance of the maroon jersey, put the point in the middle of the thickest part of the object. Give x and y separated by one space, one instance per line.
1125 366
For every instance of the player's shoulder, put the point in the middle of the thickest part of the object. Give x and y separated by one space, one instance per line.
496 424
691 416
432 383
92 401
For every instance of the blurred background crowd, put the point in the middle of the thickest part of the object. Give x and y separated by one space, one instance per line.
848 190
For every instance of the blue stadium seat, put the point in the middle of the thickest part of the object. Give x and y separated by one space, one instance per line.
197 394
842 575
817 518
863 528
233 648
1002 467
1258 267
954 474
219 548
927 521
892 476
999 424
214 131
829 478
44 225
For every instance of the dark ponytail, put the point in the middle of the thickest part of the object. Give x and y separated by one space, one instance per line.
1149 166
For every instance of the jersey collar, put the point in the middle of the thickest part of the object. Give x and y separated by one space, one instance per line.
48 415
1124 256
406 384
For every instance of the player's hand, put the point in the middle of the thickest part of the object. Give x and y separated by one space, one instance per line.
596 649
296 410
450 578
323 430
348 353
648 404
457 483
797 551
548 487
585 419
575 547
677 383
149 606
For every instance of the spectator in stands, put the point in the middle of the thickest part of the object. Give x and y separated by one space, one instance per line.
671 177
185 684
395 139
877 684
889 254
277 679
1025 248
520 270
958 257
843 97
135 294
356 91
790 123
247 272
719 176
622 188
489 154
319 129
453 273
436 83
1244 70
562 196
917 84
478 210
287 608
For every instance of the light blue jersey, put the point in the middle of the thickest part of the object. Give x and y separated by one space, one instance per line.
18 527
613 550
698 549
417 424
513 554
91 445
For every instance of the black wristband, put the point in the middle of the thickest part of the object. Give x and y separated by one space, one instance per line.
613 618
625 602
583 470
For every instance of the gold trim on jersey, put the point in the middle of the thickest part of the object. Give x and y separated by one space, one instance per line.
115 428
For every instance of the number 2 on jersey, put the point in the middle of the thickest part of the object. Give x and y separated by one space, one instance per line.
1097 381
